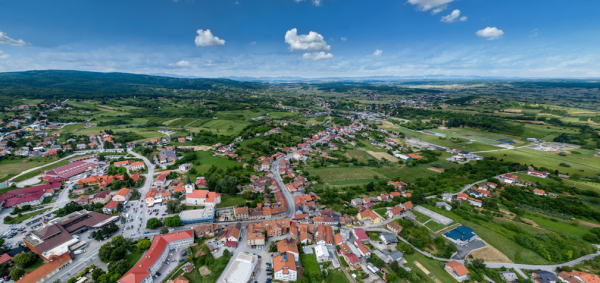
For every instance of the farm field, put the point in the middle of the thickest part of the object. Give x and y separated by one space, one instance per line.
9 168
207 160
224 127
434 226
341 174
584 164
360 155
336 276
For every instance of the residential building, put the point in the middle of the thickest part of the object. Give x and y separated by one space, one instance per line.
394 227
240 213
122 195
369 215
110 207
288 246
321 253
102 197
138 165
457 270
509 276
284 267
388 238
167 156
578 277
203 198
542 276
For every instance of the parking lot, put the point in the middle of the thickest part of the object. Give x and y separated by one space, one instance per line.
170 263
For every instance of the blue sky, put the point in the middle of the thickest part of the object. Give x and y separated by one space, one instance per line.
309 38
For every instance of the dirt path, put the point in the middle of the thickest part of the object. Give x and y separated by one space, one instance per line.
511 216
166 123
427 272
490 254
106 108
589 224
592 122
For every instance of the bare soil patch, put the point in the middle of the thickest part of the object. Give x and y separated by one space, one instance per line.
106 107
380 155
196 147
204 270
436 169
513 110
490 254
532 122
589 224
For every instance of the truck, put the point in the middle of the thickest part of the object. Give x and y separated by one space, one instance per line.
77 252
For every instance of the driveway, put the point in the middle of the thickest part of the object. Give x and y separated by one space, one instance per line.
463 252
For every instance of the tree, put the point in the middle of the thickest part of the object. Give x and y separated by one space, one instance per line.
16 273
173 221
273 247
105 252
119 207
24 260
96 273
164 230
118 253
153 223
120 267
72 280
143 244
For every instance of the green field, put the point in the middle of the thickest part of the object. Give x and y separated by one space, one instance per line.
134 256
584 164
224 127
336 276
434 226
10 168
207 160
341 174
421 217
227 200
433 266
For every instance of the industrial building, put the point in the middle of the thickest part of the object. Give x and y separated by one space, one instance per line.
206 214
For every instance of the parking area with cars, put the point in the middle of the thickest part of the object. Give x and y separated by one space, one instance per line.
175 257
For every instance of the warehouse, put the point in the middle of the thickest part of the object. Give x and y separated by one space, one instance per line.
242 269
206 214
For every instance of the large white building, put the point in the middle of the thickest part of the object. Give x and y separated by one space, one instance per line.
242 269
202 198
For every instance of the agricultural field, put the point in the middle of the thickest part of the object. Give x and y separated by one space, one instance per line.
584 164
224 127
345 174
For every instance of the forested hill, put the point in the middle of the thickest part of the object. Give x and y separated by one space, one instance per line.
78 84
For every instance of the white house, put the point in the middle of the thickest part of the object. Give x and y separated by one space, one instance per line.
321 253
284 267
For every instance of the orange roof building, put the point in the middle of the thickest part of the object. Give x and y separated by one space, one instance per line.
47 269
150 262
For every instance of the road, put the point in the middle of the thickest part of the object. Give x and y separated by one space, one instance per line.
42 166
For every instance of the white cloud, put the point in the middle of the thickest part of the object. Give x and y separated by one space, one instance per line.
317 55
344 39
377 52
490 33
426 5
3 55
315 2
310 42
453 17
4 39
181 63
206 38
253 42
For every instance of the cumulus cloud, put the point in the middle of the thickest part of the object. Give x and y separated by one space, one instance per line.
490 33
317 55
181 63
309 42
378 52
4 39
344 39
426 5
453 17
315 2
206 38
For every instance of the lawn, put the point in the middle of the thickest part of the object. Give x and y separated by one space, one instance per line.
406 174
309 262
433 267
336 276
207 160
39 262
134 256
434 226
421 217
381 211
227 200
584 164
558 226
24 217
374 236
216 267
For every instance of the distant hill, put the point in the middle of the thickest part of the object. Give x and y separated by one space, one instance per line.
85 84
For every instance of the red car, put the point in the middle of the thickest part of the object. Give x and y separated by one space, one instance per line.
23 231
148 210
